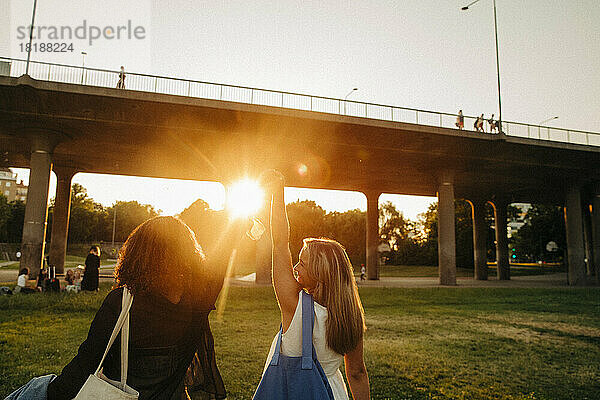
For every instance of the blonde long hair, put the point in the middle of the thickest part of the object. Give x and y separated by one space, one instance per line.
330 267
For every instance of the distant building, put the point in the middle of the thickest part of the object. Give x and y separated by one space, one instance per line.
8 183
21 192
515 223
9 187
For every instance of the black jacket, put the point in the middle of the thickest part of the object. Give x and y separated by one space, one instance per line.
91 274
164 339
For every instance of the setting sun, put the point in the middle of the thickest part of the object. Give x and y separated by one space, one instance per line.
244 198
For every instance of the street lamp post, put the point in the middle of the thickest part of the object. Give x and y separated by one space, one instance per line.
114 224
83 54
346 98
500 131
30 37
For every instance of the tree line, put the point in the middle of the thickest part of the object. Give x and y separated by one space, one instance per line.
89 222
411 242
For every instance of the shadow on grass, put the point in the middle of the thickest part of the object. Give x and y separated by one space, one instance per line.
594 340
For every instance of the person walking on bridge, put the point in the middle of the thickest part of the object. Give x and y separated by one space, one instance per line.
492 124
460 120
121 83
479 124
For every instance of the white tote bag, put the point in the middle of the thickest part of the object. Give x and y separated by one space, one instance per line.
99 386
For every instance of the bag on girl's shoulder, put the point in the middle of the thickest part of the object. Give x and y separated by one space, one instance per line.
97 385
296 378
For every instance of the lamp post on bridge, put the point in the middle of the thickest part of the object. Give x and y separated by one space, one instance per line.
83 54
30 37
346 98
114 225
500 130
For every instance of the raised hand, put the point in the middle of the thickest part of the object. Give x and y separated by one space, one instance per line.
271 180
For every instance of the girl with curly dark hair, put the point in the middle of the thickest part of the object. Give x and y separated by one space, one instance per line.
174 290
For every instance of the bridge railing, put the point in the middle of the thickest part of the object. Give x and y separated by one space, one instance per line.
218 91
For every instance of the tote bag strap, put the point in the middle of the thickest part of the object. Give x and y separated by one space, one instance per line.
308 317
308 350
125 303
124 316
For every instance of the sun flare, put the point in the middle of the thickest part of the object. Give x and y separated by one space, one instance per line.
244 198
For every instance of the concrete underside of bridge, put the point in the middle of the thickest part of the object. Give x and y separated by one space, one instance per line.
111 131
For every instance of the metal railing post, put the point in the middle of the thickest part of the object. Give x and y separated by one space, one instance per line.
417 116
189 87
220 92
155 84
440 120
49 68
252 96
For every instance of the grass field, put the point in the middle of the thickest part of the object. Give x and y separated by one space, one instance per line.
440 343
432 271
70 262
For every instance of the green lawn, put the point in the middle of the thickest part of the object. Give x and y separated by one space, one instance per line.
9 264
73 261
440 343
432 271
70 262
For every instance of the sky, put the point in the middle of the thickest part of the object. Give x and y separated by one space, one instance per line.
426 54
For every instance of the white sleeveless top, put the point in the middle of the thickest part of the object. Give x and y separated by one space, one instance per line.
291 345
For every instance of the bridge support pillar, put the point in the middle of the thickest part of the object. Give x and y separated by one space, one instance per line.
500 224
479 239
60 218
596 231
446 232
574 230
372 234
36 209
263 248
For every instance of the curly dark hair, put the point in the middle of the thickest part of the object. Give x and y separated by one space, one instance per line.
156 252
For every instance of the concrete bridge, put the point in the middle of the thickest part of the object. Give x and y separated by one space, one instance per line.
68 128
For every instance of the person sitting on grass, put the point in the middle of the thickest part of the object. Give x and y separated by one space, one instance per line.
174 290
69 277
22 282
324 271
77 278
70 281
